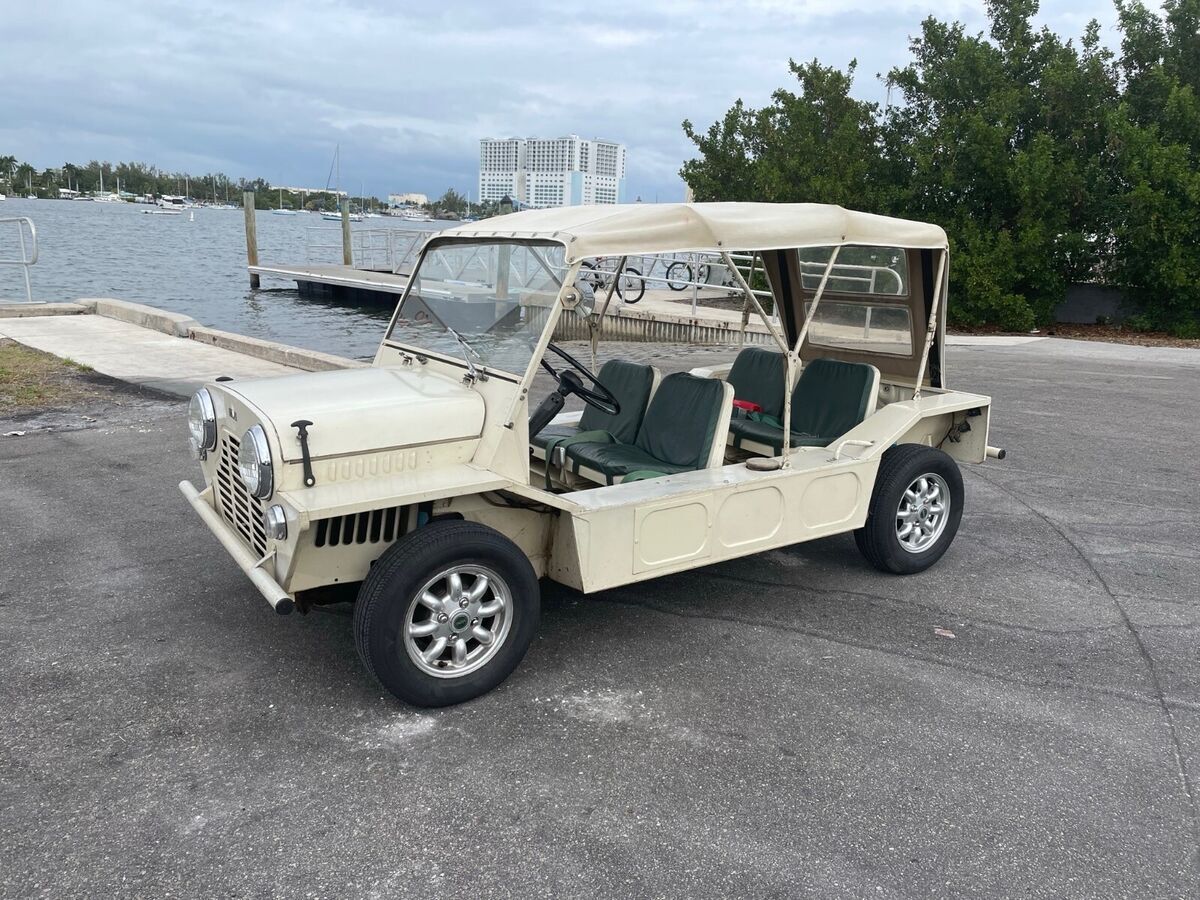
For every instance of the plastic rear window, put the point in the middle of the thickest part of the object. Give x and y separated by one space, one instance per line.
862 327
858 270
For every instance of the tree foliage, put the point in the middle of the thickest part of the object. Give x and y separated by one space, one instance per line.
1047 161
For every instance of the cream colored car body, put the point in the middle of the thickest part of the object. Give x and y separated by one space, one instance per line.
415 436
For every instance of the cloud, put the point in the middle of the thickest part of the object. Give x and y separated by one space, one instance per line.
268 88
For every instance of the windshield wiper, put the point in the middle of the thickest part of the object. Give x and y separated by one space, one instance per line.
472 372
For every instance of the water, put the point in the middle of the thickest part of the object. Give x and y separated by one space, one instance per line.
196 267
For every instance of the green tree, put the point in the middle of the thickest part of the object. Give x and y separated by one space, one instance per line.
1155 157
815 145
451 202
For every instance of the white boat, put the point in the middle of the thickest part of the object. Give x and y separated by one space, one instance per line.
162 211
280 211
334 216
2 197
173 202
412 214
103 196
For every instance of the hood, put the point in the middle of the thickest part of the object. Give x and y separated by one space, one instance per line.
363 410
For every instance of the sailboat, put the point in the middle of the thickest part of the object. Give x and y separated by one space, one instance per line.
281 211
103 196
335 215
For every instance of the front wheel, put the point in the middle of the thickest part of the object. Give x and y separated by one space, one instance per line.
915 510
679 275
446 613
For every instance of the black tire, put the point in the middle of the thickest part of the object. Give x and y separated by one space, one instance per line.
637 286
682 275
878 540
391 588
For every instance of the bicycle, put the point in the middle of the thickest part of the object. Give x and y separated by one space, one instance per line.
679 275
631 286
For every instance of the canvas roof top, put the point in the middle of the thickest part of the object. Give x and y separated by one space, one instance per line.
635 228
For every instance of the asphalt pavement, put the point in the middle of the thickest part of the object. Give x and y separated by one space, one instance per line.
1021 720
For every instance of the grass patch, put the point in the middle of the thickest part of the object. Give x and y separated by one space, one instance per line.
31 380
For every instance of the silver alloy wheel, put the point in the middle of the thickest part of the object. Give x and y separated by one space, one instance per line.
923 512
458 621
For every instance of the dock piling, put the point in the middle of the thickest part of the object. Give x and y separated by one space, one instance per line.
347 250
251 236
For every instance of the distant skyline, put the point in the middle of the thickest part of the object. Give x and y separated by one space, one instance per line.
268 89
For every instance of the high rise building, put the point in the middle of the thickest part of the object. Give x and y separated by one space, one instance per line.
564 171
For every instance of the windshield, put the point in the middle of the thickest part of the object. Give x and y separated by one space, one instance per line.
495 296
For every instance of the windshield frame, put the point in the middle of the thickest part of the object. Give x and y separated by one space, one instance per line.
521 378
459 361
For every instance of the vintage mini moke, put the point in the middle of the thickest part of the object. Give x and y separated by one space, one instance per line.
426 483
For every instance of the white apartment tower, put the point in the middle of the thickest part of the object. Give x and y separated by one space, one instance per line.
564 171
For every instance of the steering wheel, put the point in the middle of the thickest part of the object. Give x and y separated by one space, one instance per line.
593 393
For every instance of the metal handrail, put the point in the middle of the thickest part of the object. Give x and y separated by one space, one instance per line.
29 254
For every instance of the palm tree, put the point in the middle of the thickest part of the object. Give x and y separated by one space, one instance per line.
6 168
25 173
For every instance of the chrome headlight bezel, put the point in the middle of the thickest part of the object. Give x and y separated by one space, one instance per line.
275 522
202 421
254 463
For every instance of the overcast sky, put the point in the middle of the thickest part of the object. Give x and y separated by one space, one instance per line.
268 87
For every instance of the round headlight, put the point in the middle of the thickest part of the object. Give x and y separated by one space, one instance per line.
254 462
275 522
202 421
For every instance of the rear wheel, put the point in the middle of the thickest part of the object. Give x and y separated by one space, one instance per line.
632 287
915 510
446 613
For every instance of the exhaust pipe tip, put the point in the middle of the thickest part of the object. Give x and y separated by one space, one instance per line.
285 606
996 453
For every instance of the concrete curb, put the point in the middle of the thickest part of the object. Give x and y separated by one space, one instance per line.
27 310
284 354
137 314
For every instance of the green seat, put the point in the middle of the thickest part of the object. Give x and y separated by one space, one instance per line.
759 376
678 433
830 398
631 384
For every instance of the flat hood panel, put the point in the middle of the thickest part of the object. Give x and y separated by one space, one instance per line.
364 410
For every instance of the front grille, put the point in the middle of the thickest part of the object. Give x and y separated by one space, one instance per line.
237 507
372 527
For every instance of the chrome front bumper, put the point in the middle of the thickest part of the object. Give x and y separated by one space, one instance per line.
281 601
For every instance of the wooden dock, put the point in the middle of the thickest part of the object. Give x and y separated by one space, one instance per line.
337 282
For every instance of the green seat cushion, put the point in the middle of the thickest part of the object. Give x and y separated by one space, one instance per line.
830 398
771 435
680 425
553 433
631 384
615 460
677 432
759 376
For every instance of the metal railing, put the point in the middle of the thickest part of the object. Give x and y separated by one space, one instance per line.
28 249
378 249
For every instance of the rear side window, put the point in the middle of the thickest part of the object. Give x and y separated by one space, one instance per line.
862 327
858 270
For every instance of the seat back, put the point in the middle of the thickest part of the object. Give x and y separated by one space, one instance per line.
832 396
632 385
684 419
759 375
